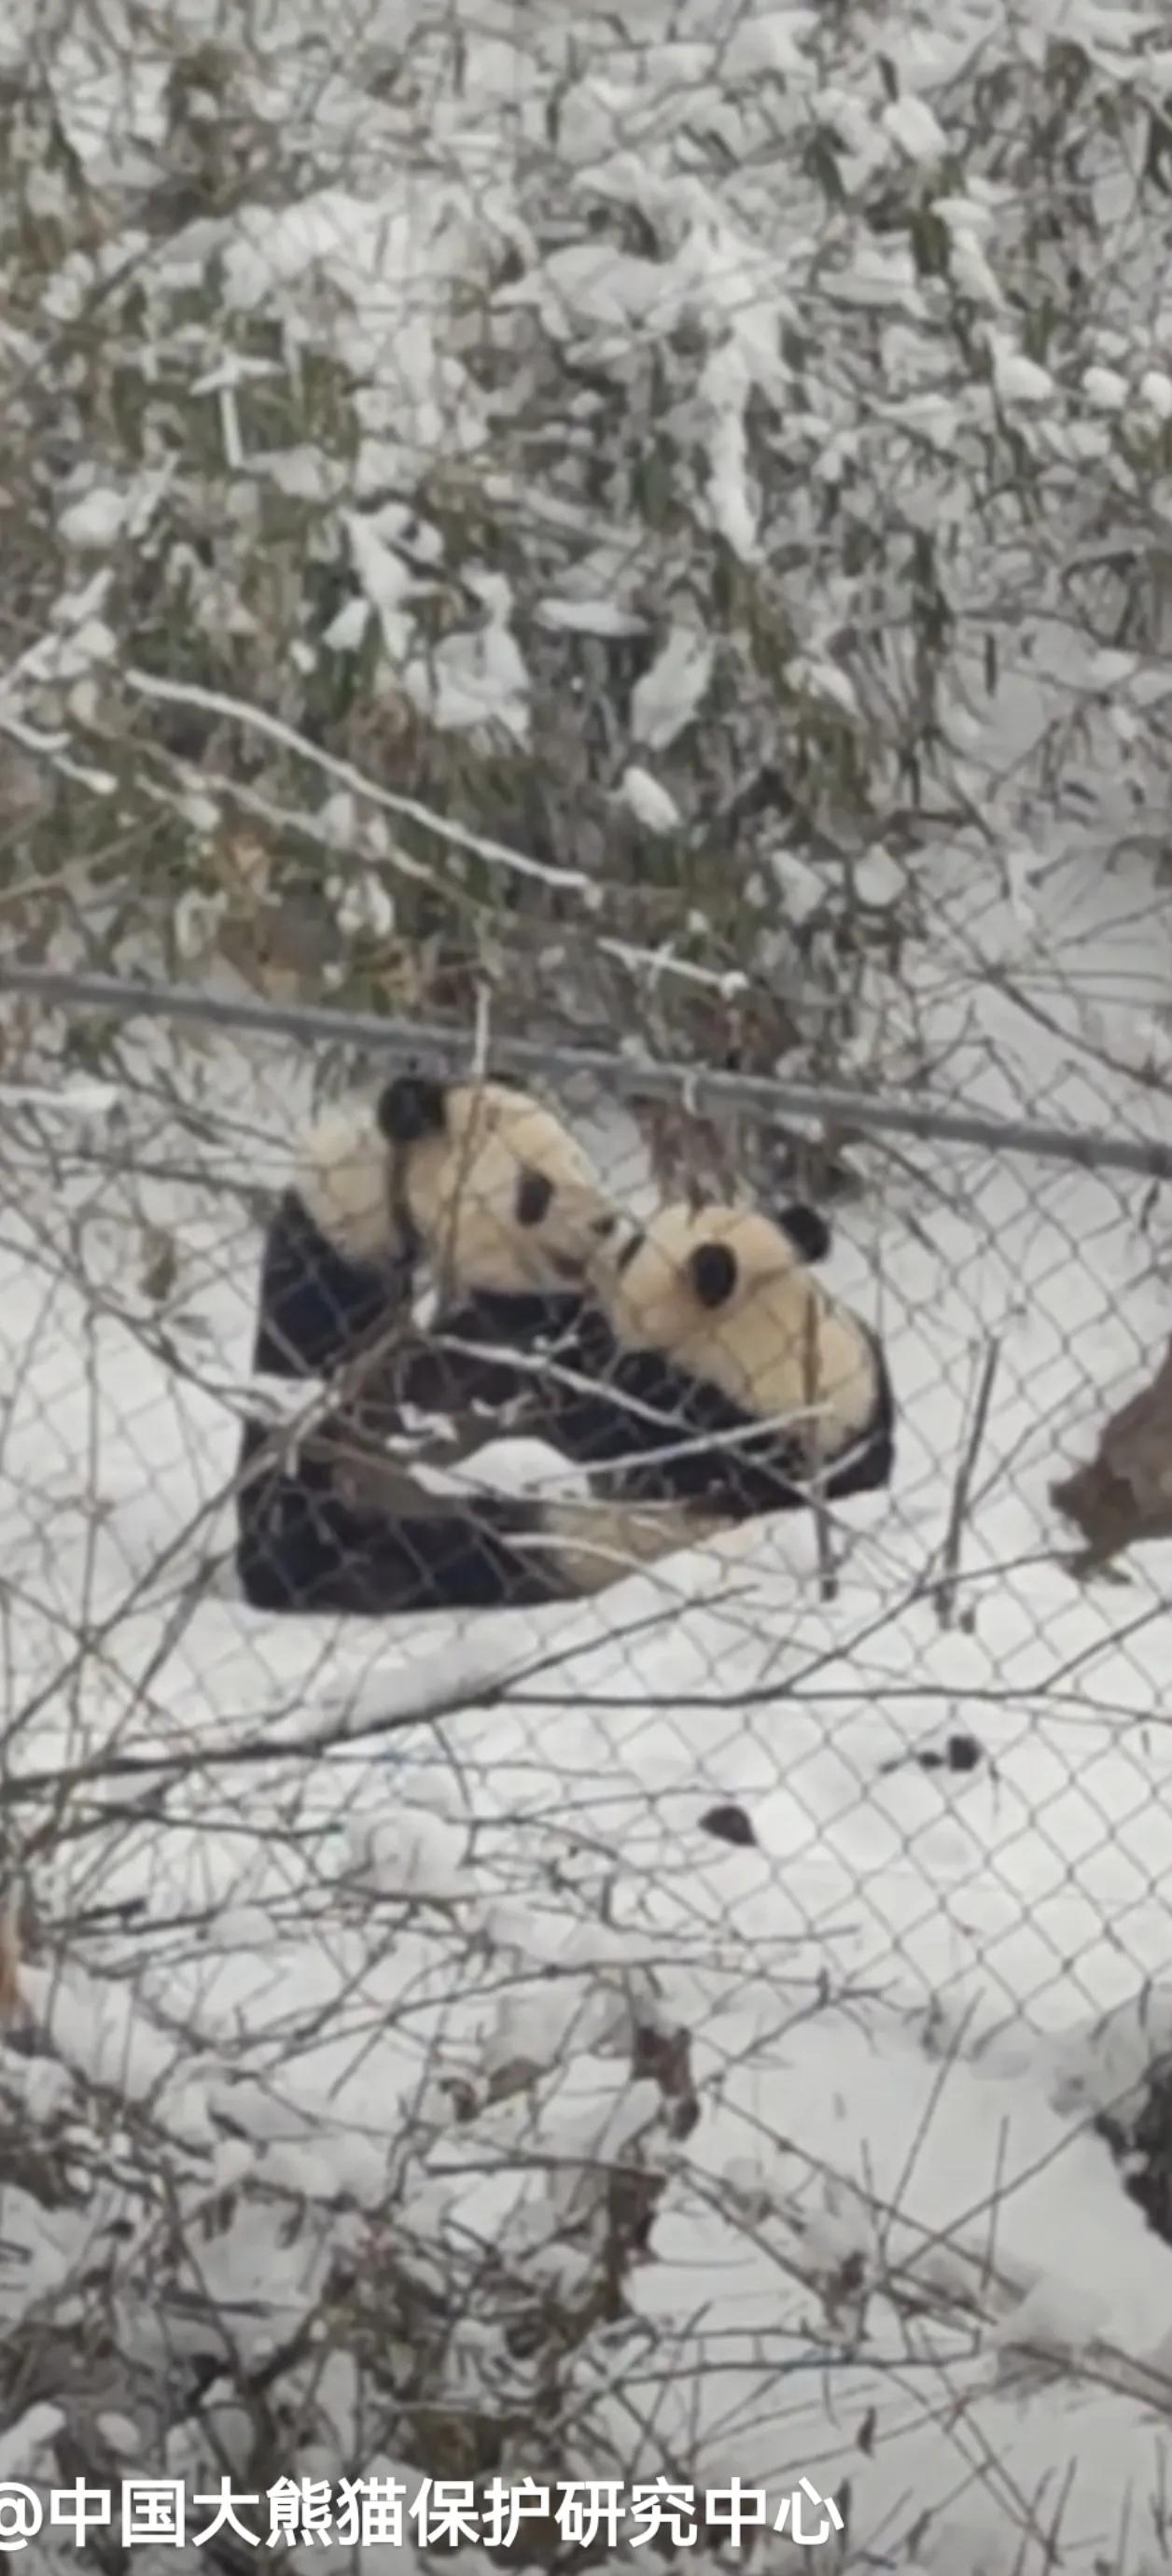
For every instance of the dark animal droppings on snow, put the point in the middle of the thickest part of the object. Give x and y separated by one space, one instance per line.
729 1824
963 1753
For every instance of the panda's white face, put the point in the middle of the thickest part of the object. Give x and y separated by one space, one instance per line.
503 1196
689 1273
493 1187
722 1294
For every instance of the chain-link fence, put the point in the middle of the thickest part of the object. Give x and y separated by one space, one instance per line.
815 1798
901 1742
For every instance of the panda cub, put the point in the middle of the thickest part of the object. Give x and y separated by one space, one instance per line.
709 1375
560 1366
726 1373
478 1178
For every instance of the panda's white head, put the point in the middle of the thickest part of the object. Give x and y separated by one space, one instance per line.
724 1295
478 1175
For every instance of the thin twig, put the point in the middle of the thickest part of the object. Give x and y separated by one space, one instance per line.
827 1577
958 1508
482 1033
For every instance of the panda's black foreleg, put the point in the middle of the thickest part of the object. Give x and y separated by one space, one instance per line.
315 1308
317 1565
364 1541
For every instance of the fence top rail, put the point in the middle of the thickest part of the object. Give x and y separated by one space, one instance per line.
627 1076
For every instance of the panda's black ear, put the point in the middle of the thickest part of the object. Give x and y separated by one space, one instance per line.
411 1107
712 1268
808 1232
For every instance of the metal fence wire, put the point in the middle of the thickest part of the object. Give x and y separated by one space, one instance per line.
811 1799
935 1738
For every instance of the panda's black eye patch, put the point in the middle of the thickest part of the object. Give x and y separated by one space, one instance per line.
713 1270
534 1197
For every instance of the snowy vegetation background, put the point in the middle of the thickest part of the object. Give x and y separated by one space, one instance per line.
651 530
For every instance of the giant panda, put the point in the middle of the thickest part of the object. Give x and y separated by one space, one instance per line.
493 1192
727 1372
710 1377
477 1177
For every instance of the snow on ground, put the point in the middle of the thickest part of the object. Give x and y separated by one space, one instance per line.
465 1878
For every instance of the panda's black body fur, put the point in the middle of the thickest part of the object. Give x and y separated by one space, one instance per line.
304 1547
677 1437
317 1309
490 1352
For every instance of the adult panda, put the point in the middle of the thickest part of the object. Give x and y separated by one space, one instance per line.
488 1188
476 1177
711 1378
